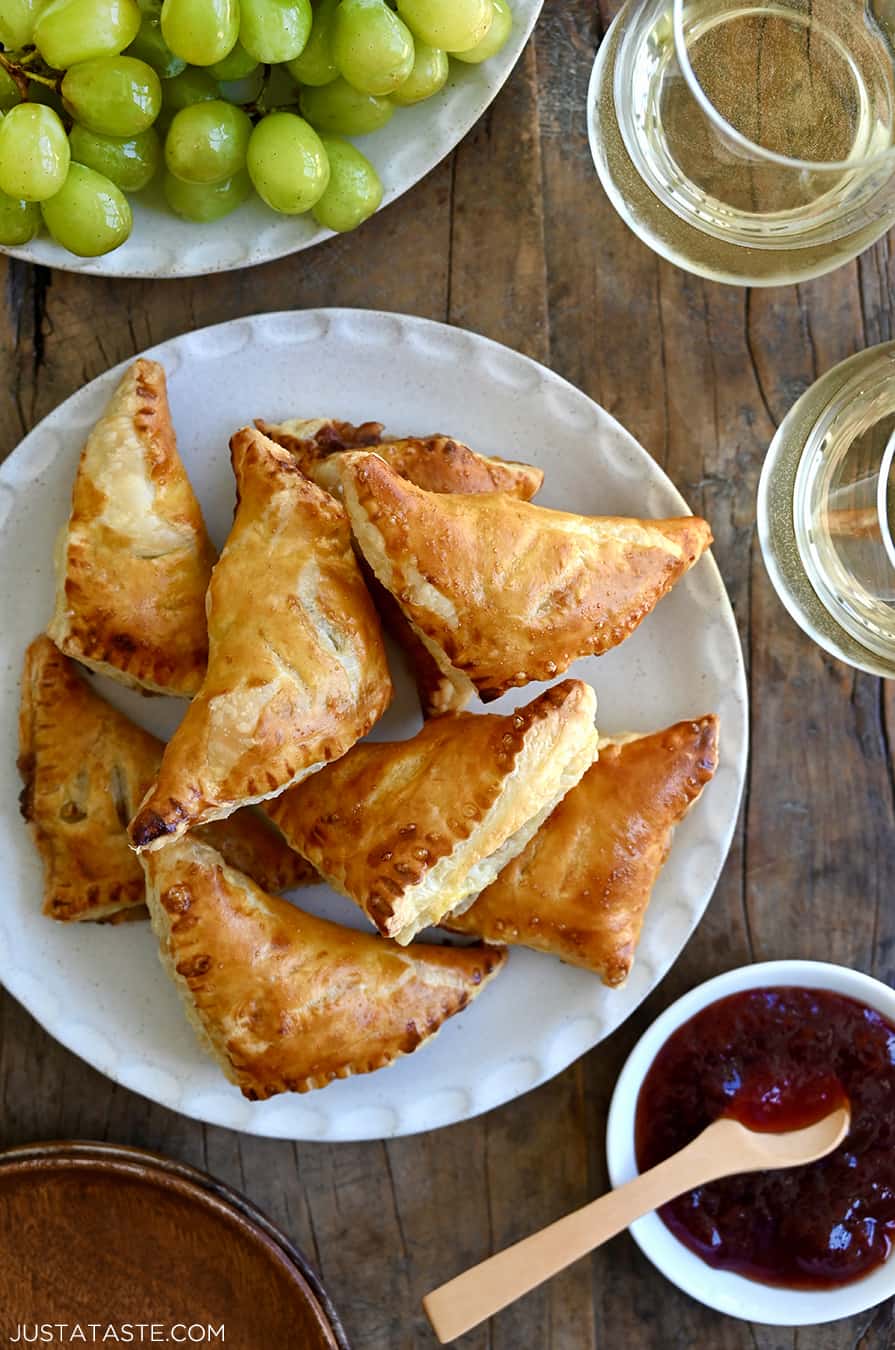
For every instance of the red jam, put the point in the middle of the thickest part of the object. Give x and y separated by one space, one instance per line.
779 1059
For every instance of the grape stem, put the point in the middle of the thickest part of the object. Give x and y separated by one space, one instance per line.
258 107
259 110
18 71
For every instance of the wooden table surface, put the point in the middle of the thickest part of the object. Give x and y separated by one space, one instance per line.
513 237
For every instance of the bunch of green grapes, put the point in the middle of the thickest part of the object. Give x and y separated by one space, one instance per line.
224 97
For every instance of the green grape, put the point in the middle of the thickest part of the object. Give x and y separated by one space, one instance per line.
10 94
372 48
34 153
354 190
344 110
19 221
89 215
151 47
453 25
315 65
430 71
207 142
130 163
495 38
193 86
17 21
246 90
236 65
207 201
201 31
70 31
287 163
113 95
274 30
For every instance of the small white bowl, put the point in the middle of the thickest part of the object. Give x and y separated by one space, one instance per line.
726 1292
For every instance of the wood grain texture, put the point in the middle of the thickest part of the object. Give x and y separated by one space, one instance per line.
513 238
65 1212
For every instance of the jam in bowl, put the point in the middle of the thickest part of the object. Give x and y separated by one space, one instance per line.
780 1059
776 1047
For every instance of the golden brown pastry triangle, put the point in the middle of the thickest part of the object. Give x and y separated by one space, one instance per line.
411 830
504 592
285 1001
436 463
134 560
296 668
581 888
85 767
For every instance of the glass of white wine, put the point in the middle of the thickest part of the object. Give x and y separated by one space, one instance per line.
751 141
826 511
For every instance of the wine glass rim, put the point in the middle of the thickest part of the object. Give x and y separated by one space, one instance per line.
841 417
738 137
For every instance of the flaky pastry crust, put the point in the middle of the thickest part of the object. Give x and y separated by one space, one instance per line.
296 669
439 692
436 463
134 561
412 829
581 888
310 440
85 767
504 592
287 1002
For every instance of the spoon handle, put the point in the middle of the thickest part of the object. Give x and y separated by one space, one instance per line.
480 1292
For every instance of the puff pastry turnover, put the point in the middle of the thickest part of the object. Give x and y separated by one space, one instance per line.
296 669
436 463
503 592
410 830
134 560
287 1002
581 888
85 767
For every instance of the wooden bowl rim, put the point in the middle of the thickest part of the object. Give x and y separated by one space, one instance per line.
201 1187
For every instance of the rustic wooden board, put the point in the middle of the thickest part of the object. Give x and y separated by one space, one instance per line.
513 237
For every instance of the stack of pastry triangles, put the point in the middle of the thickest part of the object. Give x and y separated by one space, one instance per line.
513 827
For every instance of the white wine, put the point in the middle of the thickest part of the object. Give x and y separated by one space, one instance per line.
826 511
772 158
844 508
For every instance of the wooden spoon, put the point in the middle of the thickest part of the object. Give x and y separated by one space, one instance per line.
724 1149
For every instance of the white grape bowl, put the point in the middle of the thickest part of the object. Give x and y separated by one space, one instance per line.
403 152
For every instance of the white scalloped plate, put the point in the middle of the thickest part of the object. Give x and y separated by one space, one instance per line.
404 151
101 991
